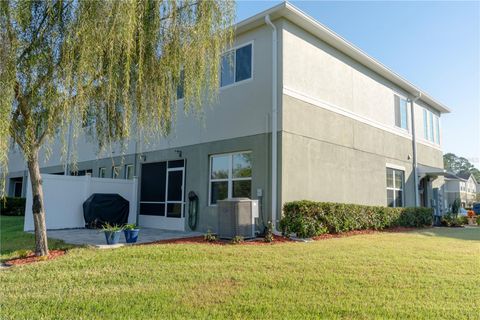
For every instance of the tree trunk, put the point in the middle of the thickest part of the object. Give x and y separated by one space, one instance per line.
41 246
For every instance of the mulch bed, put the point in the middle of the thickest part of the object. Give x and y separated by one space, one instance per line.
359 232
200 239
277 239
32 258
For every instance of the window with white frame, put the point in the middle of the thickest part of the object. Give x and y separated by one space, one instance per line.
437 129
230 176
236 65
116 172
431 126
401 113
432 129
102 172
129 171
425 124
395 183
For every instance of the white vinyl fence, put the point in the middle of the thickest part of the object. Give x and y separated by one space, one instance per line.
64 197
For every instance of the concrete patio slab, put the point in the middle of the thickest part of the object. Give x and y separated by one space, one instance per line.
97 238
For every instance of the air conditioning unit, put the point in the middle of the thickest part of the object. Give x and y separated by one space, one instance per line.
236 217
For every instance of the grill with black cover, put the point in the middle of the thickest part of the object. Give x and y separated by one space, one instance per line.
102 208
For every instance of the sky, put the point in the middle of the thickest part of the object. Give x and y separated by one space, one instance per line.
434 45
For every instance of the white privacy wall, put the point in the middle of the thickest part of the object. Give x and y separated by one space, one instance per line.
64 197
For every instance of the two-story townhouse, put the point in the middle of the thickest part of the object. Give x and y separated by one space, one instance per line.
463 186
345 129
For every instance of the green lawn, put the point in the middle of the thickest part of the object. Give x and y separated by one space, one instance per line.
12 238
429 274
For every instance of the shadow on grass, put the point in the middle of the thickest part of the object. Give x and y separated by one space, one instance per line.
469 233
14 242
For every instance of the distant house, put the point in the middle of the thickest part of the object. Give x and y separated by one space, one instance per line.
462 186
301 114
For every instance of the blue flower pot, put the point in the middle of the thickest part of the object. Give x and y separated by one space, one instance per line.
112 237
131 236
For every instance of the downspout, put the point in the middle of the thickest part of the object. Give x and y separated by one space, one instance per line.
274 123
414 144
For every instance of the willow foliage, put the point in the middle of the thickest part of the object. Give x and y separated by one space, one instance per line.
107 66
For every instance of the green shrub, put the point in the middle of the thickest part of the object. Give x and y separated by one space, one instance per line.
269 233
237 240
12 206
453 220
309 218
210 237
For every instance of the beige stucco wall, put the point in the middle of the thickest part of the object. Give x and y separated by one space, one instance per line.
314 70
338 128
241 110
330 157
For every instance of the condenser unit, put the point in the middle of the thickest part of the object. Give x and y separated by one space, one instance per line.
236 217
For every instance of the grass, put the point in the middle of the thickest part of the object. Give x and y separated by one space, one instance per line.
13 239
426 274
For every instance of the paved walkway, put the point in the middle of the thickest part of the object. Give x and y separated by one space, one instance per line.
97 238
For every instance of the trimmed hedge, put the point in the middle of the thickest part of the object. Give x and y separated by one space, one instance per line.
310 218
11 206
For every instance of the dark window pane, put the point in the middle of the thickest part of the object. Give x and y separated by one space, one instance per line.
175 180
17 192
227 66
176 164
398 179
398 199
243 63
242 165
152 187
390 201
242 189
219 168
219 191
174 210
152 209
180 86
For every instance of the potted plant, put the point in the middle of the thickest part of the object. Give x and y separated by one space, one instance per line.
131 233
112 233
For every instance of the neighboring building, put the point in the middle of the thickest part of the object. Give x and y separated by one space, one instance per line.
346 129
463 187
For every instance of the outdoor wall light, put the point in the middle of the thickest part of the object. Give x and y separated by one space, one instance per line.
179 153
143 157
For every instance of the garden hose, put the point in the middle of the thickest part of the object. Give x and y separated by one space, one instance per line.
192 210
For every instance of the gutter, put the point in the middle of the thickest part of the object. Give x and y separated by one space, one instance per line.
274 123
414 144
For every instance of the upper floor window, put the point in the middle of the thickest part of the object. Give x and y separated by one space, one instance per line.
431 126
395 183
102 172
236 65
180 86
401 113
425 124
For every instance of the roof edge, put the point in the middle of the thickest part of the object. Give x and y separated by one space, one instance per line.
303 20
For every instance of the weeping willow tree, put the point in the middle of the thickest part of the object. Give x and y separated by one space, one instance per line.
111 66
